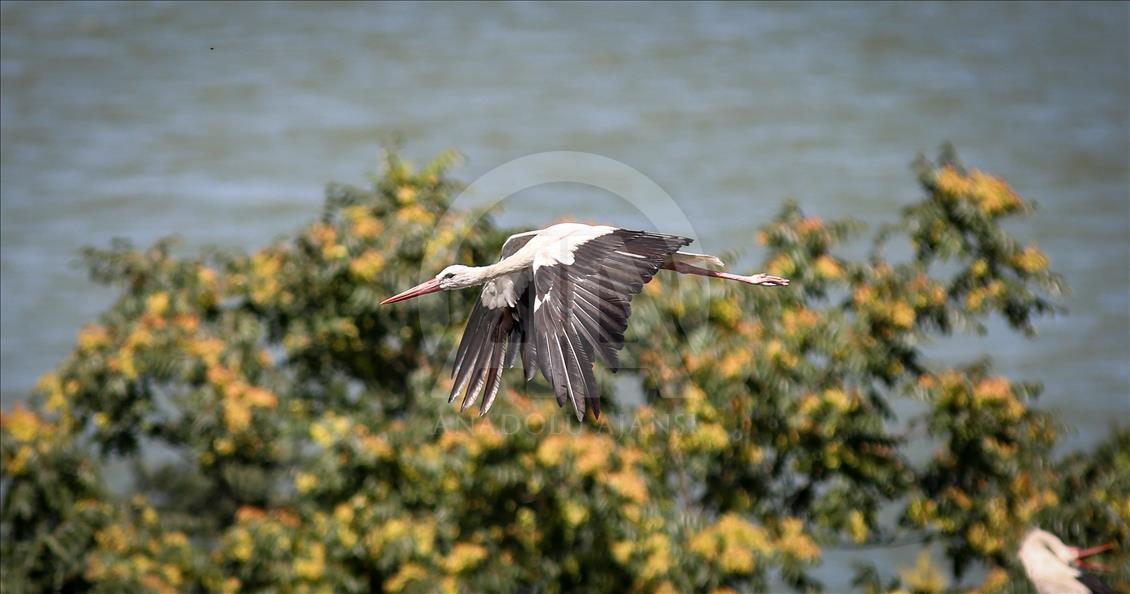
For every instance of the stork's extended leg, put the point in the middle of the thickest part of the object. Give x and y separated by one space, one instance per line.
768 280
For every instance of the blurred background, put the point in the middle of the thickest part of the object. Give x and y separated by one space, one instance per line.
222 123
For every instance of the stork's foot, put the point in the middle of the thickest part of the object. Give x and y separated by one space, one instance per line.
768 280
765 280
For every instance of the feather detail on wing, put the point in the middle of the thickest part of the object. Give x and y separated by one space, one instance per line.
582 304
492 339
584 278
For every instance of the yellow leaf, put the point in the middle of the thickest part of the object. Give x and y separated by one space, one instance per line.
157 303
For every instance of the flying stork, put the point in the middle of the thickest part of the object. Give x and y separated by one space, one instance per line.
582 279
1053 567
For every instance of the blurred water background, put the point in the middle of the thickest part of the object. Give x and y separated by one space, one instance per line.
223 122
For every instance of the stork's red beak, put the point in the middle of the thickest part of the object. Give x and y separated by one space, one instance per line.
424 288
1081 553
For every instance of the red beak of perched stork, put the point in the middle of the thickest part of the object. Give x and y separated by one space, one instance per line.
430 286
1080 554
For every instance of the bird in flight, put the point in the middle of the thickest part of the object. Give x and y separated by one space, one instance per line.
1055 568
560 296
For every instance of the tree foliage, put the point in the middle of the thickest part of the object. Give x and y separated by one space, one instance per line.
257 423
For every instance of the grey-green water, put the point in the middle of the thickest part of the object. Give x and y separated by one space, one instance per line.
222 123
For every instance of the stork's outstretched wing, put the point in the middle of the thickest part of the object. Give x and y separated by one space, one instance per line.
516 242
492 338
499 326
584 278
584 284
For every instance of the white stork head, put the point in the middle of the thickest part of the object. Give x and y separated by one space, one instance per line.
456 276
1044 547
1051 564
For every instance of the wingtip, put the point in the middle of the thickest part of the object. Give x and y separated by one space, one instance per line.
467 402
487 403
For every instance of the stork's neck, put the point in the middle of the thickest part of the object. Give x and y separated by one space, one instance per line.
485 274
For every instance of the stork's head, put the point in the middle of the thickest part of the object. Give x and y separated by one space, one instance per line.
1043 552
455 276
